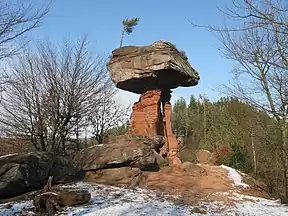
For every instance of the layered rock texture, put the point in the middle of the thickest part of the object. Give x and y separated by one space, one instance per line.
153 71
157 66
129 151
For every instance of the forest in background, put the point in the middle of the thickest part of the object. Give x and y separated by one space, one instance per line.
251 136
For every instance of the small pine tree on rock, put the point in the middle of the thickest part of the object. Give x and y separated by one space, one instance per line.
128 27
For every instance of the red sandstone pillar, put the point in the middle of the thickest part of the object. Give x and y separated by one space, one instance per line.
148 120
171 140
171 144
146 115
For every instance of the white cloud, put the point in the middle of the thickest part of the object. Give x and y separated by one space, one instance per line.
126 99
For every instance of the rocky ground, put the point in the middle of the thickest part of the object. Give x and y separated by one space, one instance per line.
141 183
196 190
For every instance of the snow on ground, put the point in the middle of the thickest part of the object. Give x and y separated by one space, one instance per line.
258 206
13 208
114 201
235 176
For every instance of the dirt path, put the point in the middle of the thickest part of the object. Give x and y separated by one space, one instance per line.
199 183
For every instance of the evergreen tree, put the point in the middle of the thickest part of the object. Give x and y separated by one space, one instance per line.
128 27
179 122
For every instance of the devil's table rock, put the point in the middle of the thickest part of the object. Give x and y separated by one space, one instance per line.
153 71
156 66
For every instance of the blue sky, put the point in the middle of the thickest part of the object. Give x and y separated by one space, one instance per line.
159 20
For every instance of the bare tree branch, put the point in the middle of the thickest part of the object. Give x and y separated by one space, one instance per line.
52 93
16 19
109 114
258 44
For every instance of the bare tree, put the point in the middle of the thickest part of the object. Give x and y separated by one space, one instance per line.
52 93
109 114
16 19
259 46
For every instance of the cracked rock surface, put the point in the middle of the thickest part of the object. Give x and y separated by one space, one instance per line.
156 66
21 173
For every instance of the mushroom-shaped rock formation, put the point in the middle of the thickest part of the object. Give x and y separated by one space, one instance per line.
157 66
153 71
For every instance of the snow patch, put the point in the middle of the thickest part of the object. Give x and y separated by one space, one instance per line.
235 176
114 201
13 208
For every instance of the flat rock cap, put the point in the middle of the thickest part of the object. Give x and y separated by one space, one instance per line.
156 66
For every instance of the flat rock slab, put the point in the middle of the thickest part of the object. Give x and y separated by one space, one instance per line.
131 151
123 176
156 66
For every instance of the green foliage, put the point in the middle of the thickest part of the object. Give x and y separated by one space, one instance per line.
238 159
182 52
179 117
128 27
129 24
117 131
208 125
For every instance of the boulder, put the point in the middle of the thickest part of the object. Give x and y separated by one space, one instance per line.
51 201
63 170
130 151
194 169
156 66
204 156
221 153
123 176
21 173
162 162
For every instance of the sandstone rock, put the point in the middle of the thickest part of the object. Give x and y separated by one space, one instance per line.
132 151
154 142
63 170
52 200
156 66
172 143
193 169
73 197
204 157
21 173
148 119
123 176
146 115
162 162
221 153
215 158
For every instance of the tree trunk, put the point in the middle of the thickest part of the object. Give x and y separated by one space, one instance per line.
122 38
204 124
254 154
284 157
77 135
99 138
186 125
42 143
